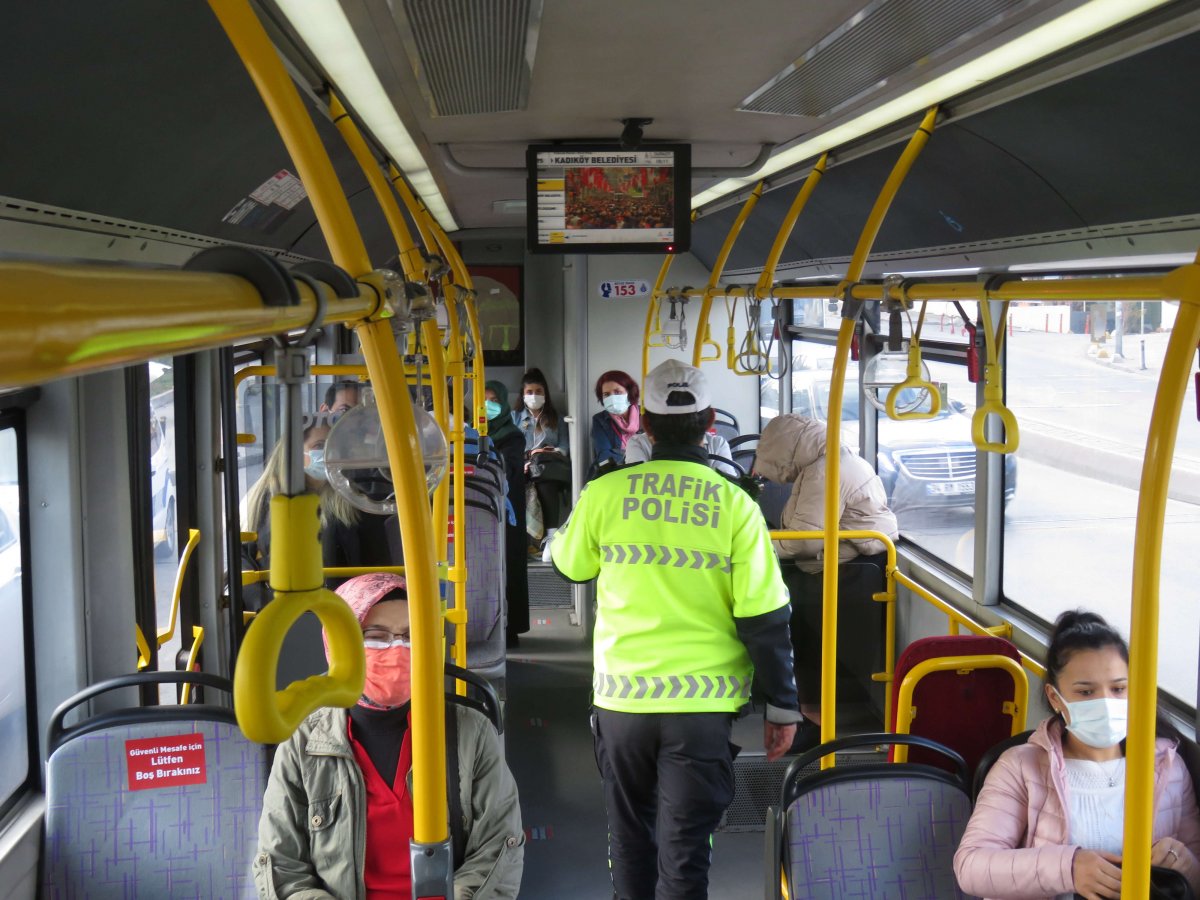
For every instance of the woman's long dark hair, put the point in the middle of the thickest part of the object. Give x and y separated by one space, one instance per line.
1077 630
549 417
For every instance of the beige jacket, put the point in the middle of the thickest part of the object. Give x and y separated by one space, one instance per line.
792 451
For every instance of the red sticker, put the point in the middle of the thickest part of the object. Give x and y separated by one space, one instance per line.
165 761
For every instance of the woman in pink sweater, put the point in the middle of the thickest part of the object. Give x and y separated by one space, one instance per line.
1048 822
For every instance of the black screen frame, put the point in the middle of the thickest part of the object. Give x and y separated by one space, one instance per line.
681 180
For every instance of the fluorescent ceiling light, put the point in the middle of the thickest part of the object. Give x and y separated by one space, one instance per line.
323 26
1070 28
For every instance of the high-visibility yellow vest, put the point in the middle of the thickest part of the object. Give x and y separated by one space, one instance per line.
679 552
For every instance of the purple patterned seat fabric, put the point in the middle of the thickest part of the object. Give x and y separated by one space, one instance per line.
104 840
876 839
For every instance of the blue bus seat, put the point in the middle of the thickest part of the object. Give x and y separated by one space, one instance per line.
192 835
869 832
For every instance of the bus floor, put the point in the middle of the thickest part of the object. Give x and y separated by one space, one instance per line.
549 749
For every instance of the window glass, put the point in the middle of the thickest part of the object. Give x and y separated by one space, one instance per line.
927 466
14 732
163 508
1083 398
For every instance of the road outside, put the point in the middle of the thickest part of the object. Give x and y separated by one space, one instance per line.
1068 538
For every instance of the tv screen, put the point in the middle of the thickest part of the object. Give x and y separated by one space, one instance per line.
602 199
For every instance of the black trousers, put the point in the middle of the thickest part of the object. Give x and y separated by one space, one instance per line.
668 777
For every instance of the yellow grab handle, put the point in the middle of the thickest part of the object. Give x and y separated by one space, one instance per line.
1012 434
709 342
143 648
993 388
914 380
269 716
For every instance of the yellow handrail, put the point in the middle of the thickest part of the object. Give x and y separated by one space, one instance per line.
703 338
906 712
185 695
833 438
167 633
134 315
399 429
913 379
762 289
1183 283
957 618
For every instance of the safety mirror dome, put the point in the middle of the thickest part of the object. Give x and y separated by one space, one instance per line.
356 460
884 371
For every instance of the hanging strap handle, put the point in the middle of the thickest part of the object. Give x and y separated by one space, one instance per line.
993 387
914 380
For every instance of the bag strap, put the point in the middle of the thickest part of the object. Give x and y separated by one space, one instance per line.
458 838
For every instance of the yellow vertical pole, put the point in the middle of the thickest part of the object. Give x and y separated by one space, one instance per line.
833 436
395 410
458 571
718 270
414 270
1183 283
652 311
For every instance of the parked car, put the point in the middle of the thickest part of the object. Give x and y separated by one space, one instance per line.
162 490
922 462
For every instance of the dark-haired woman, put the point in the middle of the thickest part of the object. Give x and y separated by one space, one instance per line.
546 445
620 420
1049 820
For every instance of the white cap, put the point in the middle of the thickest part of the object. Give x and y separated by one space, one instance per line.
670 376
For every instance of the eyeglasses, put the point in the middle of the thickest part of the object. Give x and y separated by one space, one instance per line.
375 638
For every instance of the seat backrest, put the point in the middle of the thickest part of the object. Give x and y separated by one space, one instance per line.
152 802
989 759
876 831
945 700
772 500
484 533
726 424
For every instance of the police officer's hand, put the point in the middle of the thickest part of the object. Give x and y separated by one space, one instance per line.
777 739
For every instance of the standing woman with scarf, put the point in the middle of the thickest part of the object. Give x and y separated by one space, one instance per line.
510 444
546 446
620 420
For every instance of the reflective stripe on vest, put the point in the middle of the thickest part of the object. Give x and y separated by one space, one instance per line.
671 687
662 555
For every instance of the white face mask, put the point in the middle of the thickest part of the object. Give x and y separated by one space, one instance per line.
1099 723
535 401
316 464
617 404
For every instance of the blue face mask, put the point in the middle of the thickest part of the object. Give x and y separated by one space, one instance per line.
316 464
617 404
492 408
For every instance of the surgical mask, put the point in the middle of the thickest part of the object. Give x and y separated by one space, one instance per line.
1099 723
617 404
389 678
535 401
316 464
492 408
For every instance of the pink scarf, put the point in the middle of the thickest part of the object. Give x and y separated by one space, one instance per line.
627 429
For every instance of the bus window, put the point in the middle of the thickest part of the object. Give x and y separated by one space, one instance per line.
14 734
164 506
1084 406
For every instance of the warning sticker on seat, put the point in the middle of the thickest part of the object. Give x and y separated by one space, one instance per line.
165 761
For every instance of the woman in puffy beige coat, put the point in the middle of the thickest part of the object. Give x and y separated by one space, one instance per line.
792 451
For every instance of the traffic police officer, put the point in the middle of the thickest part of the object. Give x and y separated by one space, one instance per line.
690 608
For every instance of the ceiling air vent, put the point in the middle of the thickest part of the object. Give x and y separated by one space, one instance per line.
882 40
470 56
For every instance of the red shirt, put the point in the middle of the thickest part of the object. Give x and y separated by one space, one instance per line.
387 872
